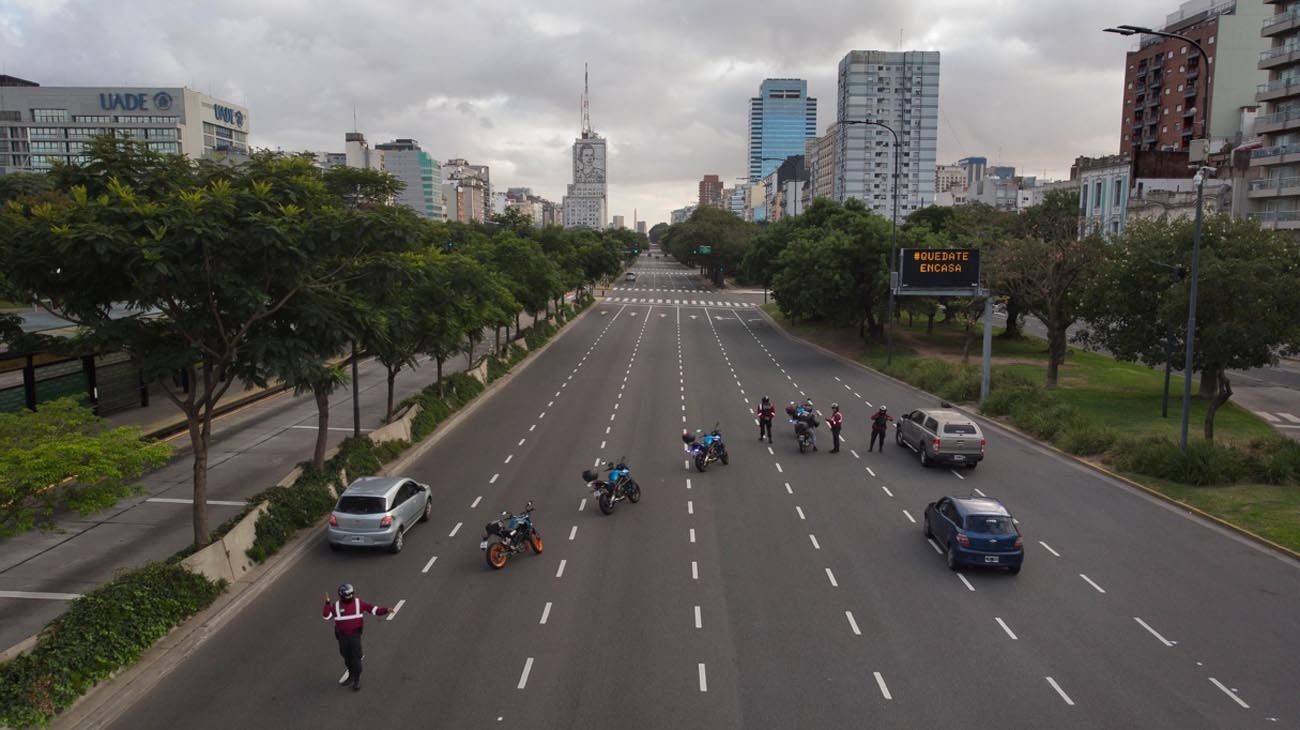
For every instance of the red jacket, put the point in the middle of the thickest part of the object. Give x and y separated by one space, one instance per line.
880 422
766 412
837 419
348 616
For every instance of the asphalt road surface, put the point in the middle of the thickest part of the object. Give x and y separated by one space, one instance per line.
784 590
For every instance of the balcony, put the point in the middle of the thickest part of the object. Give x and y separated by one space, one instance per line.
1279 56
1276 155
1277 88
1278 219
1281 23
1274 187
1277 122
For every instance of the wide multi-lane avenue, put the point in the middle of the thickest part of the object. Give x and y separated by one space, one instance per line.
783 590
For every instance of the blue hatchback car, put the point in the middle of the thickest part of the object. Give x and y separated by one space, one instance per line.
975 531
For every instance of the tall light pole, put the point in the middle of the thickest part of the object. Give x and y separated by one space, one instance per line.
1199 179
893 238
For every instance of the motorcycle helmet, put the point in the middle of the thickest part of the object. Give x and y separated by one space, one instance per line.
835 406
884 409
589 476
345 591
766 400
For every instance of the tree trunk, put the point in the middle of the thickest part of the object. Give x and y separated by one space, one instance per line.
496 344
929 321
322 426
199 508
441 392
469 353
1056 348
966 339
392 377
1219 400
516 324
1209 383
1012 332
909 319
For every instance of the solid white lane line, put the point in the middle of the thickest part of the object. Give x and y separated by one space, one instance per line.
583 504
977 491
704 683
1060 691
1229 693
573 532
855 454
429 564
546 612
910 518
963 580
1091 583
523 678
508 458
886 490
954 473
814 541
494 478
788 490
869 471
1005 628
690 507
934 545
880 682
799 509
396 607
831 577
455 529
695 570
853 624
477 499
779 469
1154 633
560 571
692 534
699 623
40 596
1049 548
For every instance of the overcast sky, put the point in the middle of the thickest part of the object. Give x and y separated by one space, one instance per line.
1030 83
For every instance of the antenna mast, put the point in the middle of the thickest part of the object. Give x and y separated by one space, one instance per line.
586 105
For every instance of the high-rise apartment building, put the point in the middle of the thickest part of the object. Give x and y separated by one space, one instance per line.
1165 79
899 89
781 117
422 176
975 168
1275 196
949 178
710 192
42 125
640 227
476 181
618 222
823 164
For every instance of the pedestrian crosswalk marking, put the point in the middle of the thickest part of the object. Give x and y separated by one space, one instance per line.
680 302
1267 416
1289 417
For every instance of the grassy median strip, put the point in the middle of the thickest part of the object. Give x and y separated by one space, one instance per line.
1103 410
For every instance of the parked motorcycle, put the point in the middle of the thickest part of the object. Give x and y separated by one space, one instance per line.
615 488
706 449
513 533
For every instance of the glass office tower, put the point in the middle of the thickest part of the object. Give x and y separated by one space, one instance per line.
781 117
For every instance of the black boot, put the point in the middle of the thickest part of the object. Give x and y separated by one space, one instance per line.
356 685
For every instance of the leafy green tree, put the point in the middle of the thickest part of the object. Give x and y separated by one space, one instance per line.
64 457
657 231
727 236
218 250
1247 312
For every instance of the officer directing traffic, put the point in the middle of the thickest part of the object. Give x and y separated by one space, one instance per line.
348 615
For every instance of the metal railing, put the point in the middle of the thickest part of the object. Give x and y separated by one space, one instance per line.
1278 117
1275 183
1280 18
1273 53
1278 84
1276 216
1281 149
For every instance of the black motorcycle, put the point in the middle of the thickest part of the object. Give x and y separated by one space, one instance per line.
513 533
618 486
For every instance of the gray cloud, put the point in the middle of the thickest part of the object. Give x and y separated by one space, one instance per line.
1027 82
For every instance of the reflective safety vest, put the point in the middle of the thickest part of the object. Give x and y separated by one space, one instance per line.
348 617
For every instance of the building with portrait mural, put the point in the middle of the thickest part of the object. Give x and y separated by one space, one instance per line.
41 125
585 205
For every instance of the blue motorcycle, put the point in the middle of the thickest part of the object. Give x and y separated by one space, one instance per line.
513 533
706 449
615 488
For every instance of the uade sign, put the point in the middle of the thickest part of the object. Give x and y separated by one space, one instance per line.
940 268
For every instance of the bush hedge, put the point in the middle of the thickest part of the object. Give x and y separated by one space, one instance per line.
101 632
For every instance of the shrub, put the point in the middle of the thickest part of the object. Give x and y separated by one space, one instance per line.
356 456
569 311
1002 401
1085 438
291 509
1204 463
496 368
517 354
963 386
100 633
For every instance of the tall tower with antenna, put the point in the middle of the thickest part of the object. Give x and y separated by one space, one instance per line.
586 104
585 204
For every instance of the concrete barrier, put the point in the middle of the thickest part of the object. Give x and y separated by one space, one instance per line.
398 429
480 373
227 559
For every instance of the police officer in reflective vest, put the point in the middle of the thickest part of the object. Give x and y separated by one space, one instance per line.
348 613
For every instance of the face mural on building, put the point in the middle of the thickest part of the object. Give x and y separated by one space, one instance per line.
589 163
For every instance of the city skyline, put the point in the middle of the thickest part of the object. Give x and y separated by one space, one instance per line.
669 117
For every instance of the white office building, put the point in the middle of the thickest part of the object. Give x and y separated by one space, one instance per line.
41 125
901 90
422 175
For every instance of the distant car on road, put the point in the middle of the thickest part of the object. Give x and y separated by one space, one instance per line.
943 436
377 512
975 531
631 276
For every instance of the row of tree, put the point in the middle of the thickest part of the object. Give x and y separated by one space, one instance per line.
271 270
1128 293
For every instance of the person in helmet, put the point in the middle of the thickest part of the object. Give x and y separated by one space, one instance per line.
879 427
807 413
836 422
348 615
765 412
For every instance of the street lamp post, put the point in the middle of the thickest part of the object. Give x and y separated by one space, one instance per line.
893 238
1199 179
